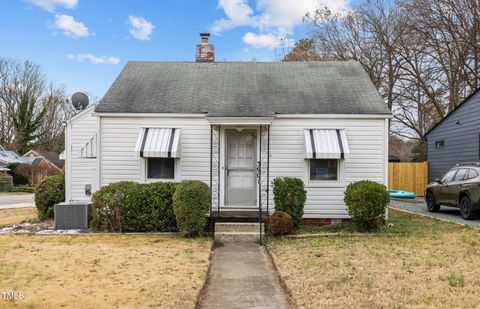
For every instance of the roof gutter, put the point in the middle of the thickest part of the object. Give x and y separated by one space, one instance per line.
334 116
218 119
145 115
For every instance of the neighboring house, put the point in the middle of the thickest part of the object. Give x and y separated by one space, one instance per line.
7 157
52 158
455 139
35 165
235 126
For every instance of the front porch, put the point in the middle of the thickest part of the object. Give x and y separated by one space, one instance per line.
238 216
239 169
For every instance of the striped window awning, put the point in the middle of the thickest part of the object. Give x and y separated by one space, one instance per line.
89 150
158 143
326 144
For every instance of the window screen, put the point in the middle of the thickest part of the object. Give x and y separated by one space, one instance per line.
323 169
161 168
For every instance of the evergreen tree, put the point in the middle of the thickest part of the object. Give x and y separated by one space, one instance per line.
27 122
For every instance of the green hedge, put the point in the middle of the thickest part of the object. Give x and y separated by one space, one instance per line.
6 184
290 196
148 208
367 203
191 202
132 207
48 192
26 189
108 203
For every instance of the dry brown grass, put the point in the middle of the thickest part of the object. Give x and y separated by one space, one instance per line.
11 216
103 271
430 264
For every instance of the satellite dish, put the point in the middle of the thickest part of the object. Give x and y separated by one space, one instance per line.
79 100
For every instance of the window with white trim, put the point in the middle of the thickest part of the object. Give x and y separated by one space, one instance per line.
160 168
324 169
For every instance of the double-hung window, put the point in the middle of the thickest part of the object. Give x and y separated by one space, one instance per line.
159 149
324 169
325 149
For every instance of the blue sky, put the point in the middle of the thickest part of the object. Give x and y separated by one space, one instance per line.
84 44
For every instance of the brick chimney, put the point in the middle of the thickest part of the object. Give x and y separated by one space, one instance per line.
205 52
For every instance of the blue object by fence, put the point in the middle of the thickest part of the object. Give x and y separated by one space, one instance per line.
401 194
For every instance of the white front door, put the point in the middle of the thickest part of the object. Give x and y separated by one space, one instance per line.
241 168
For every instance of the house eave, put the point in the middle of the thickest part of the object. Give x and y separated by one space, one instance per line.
146 115
240 120
334 116
230 120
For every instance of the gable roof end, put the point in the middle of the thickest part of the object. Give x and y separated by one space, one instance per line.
453 111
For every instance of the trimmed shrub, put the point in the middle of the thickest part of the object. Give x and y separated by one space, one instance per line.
191 202
107 205
367 204
131 207
280 223
290 196
48 192
149 208
6 184
25 189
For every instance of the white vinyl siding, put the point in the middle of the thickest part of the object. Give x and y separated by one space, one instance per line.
119 137
366 140
80 171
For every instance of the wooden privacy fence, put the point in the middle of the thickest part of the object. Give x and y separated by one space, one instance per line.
408 176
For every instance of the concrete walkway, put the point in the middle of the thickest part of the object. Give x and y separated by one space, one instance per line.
447 213
16 201
242 276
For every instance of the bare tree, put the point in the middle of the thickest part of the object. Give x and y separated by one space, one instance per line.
422 55
21 80
368 34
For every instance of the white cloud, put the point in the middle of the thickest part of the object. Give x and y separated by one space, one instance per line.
140 28
238 14
50 5
286 14
93 59
274 19
262 40
70 26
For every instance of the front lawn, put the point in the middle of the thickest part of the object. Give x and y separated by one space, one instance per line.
11 216
103 271
427 263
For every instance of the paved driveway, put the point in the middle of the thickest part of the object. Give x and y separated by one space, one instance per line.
16 200
446 213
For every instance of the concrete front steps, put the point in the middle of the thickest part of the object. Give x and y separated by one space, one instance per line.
238 232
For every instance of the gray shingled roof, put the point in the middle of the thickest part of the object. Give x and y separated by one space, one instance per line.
243 89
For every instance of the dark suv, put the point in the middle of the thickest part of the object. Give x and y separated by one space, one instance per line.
459 187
